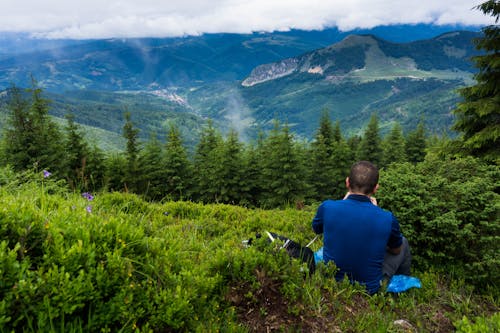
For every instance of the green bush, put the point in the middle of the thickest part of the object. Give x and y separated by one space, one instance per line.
480 324
448 209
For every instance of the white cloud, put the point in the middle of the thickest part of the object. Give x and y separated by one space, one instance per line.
158 18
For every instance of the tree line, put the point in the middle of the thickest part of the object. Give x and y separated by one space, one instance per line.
274 170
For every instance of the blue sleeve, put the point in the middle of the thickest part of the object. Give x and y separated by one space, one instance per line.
317 222
396 238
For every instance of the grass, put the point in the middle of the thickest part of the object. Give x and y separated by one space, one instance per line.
130 265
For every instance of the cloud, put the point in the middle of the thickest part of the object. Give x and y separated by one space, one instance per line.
158 18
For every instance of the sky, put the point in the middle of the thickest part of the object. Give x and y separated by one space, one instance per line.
84 19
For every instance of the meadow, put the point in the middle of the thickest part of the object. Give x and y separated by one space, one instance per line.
112 262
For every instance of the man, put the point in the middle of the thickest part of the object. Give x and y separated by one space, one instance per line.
363 240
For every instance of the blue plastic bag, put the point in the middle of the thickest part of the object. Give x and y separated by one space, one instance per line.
318 255
400 283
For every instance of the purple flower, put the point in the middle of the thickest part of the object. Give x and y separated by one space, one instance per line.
46 174
88 196
88 209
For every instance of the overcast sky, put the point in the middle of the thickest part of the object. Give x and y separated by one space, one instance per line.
167 18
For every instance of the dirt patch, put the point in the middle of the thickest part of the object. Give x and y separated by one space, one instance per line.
265 309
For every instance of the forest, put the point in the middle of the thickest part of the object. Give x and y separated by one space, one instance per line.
153 238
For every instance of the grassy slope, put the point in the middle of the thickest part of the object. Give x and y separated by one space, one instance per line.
182 266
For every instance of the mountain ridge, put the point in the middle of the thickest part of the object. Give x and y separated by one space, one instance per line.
359 46
351 79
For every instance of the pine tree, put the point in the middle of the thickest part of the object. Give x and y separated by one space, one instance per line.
230 170
251 188
116 170
32 139
77 152
178 168
131 134
327 132
205 165
394 146
478 116
416 144
96 169
46 147
283 174
343 158
152 182
337 133
321 162
18 134
371 144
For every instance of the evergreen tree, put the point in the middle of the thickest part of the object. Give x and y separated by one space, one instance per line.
371 144
152 182
76 155
321 163
416 144
230 170
251 188
478 116
343 158
205 165
116 170
354 142
131 134
18 134
47 146
178 169
96 169
394 146
327 132
283 174
337 133
32 139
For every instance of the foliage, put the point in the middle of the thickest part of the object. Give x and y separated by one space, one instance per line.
415 144
32 139
448 209
370 148
177 167
477 115
393 146
480 324
133 266
131 133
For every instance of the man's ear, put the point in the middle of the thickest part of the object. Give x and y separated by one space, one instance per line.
347 184
375 189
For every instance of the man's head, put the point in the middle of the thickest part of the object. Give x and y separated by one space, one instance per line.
363 178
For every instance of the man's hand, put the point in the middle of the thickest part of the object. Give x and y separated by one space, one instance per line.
373 200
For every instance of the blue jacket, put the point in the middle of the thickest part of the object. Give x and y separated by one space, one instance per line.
356 234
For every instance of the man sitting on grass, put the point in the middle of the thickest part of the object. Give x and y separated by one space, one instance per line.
363 240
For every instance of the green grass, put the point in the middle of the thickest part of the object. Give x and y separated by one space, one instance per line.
130 265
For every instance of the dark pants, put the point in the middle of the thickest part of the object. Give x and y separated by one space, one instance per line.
397 264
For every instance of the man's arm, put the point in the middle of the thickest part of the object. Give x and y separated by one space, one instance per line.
317 222
395 243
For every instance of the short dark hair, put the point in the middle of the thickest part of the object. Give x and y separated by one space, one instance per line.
363 177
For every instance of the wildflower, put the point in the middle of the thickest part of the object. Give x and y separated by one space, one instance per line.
88 196
46 174
88 209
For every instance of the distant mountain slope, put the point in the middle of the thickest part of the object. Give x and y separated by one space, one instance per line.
355 77
366 57
143 63
246 81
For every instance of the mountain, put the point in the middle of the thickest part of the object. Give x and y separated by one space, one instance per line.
351 79
246 81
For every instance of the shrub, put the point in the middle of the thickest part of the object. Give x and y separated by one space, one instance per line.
448 209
